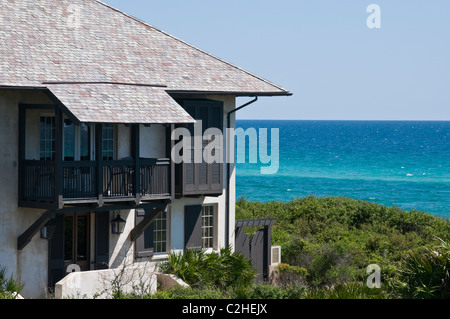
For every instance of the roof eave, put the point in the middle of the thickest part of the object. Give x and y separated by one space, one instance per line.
240 94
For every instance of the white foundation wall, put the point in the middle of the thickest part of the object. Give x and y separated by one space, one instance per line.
30 265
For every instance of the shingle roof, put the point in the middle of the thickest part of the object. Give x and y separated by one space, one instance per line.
88 41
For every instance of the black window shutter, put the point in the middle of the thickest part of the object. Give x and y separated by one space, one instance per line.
193 227
144 243
102 226
56 252
203 178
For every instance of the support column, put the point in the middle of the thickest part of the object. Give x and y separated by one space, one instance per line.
135 137
99 158
59 140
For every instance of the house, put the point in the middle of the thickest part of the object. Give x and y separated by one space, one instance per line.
89 99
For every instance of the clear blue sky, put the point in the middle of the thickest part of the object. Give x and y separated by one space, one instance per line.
323 52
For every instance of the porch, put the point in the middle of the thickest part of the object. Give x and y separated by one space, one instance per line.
45 184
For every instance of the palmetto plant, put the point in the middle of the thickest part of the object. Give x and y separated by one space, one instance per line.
222 270
9 287
426 274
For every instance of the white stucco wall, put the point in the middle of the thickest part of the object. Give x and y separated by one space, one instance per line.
123 145
153 141
29 265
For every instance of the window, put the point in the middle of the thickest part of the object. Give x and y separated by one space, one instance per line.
160 233
208 226
85 142
77 143
47 138
155 237
69 140
108 142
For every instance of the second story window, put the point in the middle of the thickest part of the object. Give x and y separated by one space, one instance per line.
47 138
77 141
85 142
108 142
69 140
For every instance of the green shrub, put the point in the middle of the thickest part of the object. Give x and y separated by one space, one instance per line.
287 276
349 290
189 293
288 269
336 238
266 291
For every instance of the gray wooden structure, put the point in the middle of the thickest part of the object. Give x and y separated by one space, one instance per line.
253 238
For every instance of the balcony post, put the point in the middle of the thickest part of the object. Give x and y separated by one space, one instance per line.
59 140
99 158
136 154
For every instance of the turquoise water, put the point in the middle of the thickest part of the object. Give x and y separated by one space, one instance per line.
406 164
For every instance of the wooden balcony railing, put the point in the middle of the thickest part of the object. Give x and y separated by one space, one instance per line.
80 180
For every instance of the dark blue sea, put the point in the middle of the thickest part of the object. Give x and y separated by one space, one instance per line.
401 163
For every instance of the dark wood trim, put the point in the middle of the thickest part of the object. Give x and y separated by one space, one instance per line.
38 106
99 159
135 148
14 87
26 237
59 141
112 207
37 204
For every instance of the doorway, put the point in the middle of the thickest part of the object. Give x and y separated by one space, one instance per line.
77 240
71 244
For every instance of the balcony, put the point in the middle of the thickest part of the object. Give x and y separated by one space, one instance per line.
48 185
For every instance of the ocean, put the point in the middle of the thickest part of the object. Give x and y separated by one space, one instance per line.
401 163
